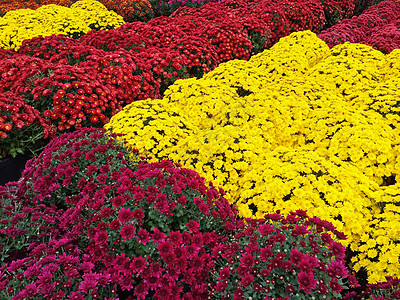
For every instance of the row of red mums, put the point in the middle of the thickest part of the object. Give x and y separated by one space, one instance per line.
69 83
91 219
378 27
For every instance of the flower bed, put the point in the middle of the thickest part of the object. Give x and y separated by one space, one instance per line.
274 145
308 146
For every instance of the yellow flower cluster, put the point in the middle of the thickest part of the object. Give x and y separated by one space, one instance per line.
153 127
298 126
293 178
80 18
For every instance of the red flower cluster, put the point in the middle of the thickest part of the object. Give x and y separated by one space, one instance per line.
47 47
218 24
119 69
6 53
296 254
131 10
166 52
116 211
22 225
167 7
267 21
74 97
304 15
197 52
378 26
18 120
72 84
22 128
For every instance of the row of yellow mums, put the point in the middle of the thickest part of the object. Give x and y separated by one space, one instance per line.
80 18
298 126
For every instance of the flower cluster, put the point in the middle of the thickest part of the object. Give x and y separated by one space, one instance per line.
298 125
67 96
166 52
67 85
21 225
30 4
378 26
167 7
73 84
22 129
120 70
145 228
220 26
280 258
82 103
80 18
131 10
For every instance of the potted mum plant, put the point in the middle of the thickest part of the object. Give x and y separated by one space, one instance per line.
122 224
22 129
292 257
23 133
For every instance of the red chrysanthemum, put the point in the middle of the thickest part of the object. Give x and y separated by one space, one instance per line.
266 253
118 201
338 250
307 281
337 268
142 236
296 256
155 270
165 248
300 230
125 215
247 279
335 286
141 291
115 225
247 260
158 236
101 237
169 258
193 226
175 237
127 232
138 264
266 229
138 214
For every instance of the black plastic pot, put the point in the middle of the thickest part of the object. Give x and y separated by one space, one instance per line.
11 168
